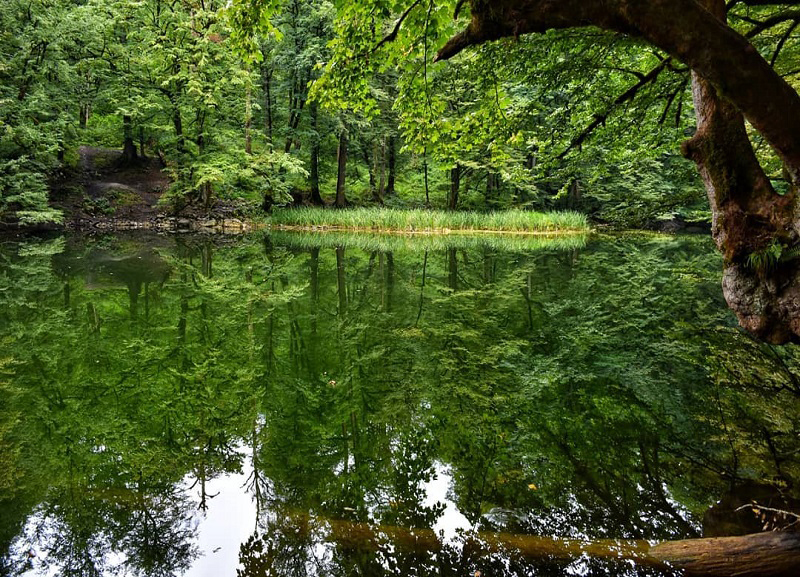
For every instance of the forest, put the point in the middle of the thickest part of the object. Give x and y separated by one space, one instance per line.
340 103
431 287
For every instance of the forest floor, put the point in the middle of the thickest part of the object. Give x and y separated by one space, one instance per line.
104 192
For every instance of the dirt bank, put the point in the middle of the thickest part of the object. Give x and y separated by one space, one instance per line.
105 193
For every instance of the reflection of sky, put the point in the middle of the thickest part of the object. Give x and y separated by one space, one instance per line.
228 522
436 491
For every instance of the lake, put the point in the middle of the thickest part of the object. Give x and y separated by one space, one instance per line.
332 404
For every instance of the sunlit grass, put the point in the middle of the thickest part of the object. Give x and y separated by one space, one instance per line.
421 242
431 221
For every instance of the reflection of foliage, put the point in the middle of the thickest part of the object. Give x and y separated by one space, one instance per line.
85 531
583 393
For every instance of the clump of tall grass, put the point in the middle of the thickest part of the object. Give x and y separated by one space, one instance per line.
432 221
375 241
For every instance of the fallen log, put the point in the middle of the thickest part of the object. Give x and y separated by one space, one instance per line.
774 554
771 554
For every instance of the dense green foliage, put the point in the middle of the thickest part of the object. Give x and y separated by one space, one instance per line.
256 99
252 100
587 392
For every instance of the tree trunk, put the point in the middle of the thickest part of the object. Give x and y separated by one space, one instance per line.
206 190
266 83
141 142
177 122
491 188
425 177
382 170
376 173
372 165
747 214
297 100
341 156
129 155
392 161
83 119
773 554
752 225
316 197
248 119
455 184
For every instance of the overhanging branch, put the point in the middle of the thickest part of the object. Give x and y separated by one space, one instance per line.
761 26
626 96
393 34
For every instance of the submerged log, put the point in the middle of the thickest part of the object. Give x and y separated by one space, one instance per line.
774 554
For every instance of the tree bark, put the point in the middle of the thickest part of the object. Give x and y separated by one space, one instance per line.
341 156
747 214
372 164
752 225
297 100
773 554
685 29
83 118
141 142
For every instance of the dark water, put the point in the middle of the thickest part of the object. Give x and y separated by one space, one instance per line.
287 405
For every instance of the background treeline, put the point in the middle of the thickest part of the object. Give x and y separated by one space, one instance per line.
578 119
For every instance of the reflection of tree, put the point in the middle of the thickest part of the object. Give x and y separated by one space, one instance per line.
567 396
157 535
285 546
86 531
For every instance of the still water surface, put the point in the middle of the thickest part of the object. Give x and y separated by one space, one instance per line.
299 405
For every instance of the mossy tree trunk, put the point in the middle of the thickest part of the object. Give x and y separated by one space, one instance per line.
748 215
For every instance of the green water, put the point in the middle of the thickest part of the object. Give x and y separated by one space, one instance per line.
291 405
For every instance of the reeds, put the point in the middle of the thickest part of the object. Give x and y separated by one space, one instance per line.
398 243
429 221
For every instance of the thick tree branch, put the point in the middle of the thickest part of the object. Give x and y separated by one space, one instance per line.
761 26
782 42
626 96
733 3
393 34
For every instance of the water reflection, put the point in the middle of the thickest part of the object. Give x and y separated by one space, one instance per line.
298 406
